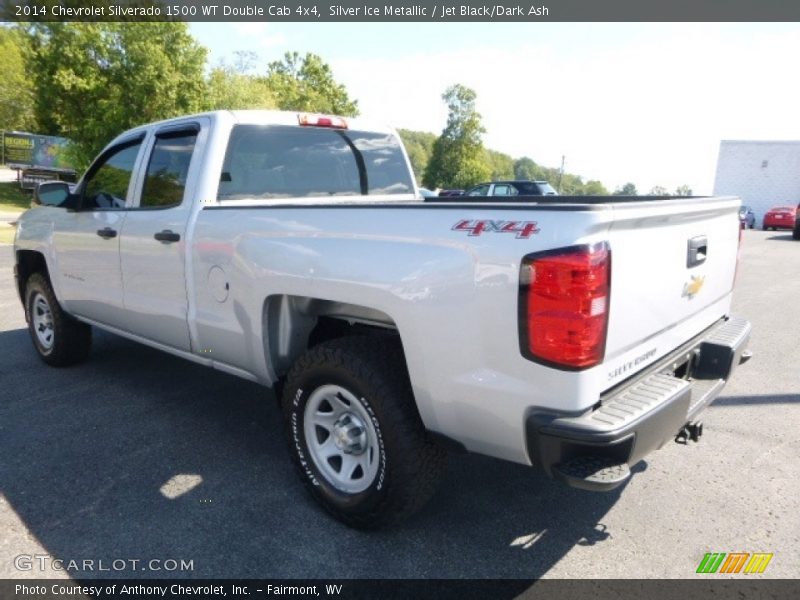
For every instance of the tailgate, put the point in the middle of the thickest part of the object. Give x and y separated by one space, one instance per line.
673 266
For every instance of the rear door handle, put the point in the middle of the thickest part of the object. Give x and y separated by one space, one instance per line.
107 233
167 236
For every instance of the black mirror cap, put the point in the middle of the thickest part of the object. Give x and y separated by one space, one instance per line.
51 193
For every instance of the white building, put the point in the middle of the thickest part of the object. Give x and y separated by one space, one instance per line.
762 173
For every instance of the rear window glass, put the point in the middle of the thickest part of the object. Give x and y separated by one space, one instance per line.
277 161
547 189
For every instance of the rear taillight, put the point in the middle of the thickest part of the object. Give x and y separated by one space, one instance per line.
564 300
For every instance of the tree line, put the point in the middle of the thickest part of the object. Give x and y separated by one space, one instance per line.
458 159
90 81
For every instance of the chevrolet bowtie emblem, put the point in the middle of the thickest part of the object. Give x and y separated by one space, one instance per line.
691 289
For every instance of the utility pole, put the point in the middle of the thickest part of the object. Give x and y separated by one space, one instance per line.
561 173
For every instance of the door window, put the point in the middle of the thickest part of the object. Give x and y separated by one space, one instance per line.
481 190
504 190
106 186
167 171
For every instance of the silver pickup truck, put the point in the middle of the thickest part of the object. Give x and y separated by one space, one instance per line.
572 334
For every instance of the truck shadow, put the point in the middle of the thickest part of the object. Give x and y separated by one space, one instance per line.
765 399
137 455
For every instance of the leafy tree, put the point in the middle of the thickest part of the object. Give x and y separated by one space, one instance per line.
525 168
501 165
626 190
594 188
307 84
570 184
458 158
231 87
419 146
16 88
683 190
94 80
658 190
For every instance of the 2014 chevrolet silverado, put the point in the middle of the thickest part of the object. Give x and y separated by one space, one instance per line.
573 334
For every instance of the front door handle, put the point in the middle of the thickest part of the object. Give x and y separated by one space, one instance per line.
167 236
107 233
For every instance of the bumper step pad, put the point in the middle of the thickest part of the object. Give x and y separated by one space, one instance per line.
593 473
593 451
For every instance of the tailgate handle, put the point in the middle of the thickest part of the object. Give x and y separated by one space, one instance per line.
697 251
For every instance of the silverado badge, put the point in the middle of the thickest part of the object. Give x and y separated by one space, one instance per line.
691 289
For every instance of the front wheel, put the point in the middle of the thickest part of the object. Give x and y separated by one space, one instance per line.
354 432
59 339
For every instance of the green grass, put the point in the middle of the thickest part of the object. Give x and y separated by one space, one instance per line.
6 234
13 199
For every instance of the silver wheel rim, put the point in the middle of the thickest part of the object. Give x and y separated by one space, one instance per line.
42 318
341 438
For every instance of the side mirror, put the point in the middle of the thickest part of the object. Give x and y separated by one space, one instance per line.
51 193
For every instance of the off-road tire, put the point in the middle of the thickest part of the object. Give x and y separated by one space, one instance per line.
372 368
71 339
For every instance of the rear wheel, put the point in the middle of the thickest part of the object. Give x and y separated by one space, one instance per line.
59 339
354 432
796 232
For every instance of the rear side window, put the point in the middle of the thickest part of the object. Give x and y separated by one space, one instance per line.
504 190
300 162
168 169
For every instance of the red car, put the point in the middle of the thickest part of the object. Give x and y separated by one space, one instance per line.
779 217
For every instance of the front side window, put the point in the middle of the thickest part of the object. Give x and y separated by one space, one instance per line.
300 162
107 185
167 171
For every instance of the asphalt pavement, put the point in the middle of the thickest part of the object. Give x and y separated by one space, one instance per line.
137 455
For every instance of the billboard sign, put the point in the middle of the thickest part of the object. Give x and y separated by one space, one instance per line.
30 151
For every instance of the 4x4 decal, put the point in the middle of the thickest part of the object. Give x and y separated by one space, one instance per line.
522 229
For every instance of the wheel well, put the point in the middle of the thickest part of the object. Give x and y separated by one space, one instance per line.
292 324
28 263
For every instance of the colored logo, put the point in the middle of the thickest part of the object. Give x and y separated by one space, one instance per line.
735 562
521 229
691 289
